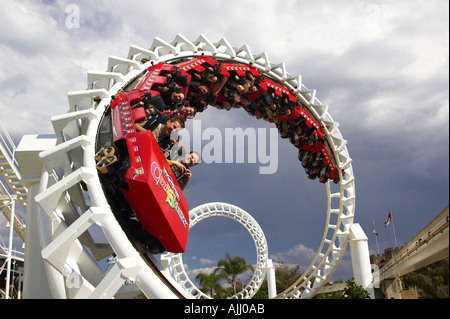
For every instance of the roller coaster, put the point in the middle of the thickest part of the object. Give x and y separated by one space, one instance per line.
103 174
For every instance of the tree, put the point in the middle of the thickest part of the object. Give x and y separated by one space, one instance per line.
432 280
351 291
210 283
286 275
354 291
232 267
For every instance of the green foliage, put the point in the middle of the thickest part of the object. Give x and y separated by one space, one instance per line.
227 269
286 276
351 291
262 293
431 281
232 267
354 291
211 283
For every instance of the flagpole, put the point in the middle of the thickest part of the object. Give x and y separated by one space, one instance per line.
376 237
376 240
393 230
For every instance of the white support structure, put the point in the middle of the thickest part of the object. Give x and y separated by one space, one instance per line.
13 194
11 188
174 262
61 202
359 249
12 206
271 280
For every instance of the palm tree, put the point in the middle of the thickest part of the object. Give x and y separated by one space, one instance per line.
232 267
210 283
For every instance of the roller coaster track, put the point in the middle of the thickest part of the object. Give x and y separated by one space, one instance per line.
174 262
71 203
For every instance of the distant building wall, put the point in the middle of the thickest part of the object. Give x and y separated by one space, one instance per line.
391 288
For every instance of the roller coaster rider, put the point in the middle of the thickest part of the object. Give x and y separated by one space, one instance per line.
181 167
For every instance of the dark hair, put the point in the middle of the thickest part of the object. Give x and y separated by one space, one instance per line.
178 119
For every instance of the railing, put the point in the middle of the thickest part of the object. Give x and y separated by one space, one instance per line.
428 246
10 185
7 146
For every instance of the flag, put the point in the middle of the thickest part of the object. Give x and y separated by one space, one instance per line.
388 220
374 231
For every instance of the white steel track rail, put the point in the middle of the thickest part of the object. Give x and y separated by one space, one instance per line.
68 212
174 262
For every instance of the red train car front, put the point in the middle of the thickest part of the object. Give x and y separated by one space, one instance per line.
152 190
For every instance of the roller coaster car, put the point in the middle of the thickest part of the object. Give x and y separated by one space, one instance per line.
147 182
158 74
203 65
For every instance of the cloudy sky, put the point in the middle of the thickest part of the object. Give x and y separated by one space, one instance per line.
381 66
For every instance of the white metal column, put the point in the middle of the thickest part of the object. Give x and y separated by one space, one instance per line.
271 280
10 248
35 279
359 250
